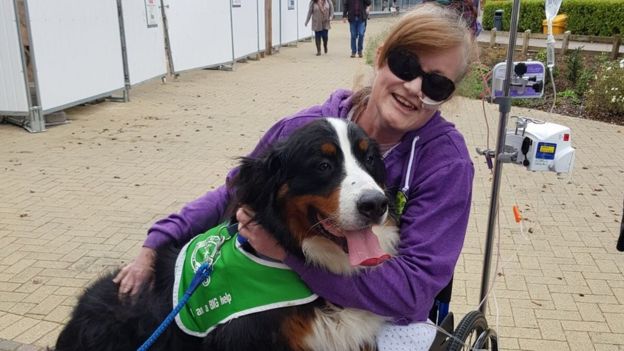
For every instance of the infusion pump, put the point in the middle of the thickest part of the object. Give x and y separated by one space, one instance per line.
540 146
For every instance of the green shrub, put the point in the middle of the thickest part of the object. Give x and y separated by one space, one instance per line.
570 95
473 84
541 56
606 93
582 83
574 63
372 43
585 17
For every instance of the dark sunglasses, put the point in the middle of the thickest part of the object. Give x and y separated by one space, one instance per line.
405 65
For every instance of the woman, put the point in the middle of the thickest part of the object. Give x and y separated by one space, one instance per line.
321 12
428 171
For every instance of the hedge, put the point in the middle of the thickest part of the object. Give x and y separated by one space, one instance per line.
585 17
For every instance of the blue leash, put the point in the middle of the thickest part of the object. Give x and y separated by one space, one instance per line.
202 273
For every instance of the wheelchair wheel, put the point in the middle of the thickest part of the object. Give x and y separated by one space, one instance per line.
473 334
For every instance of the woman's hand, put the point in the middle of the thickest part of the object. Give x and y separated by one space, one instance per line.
137 273
257 237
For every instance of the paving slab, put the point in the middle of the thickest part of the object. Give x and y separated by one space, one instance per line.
76 200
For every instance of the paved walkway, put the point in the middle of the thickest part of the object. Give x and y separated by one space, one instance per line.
76 200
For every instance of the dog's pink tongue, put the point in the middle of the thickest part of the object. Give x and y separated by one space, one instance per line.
364 249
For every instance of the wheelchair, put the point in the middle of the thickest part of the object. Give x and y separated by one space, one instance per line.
472 332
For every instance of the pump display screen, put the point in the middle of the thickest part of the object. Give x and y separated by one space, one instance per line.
546 151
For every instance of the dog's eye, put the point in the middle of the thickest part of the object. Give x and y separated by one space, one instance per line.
324 166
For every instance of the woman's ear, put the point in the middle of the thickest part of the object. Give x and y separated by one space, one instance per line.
378 56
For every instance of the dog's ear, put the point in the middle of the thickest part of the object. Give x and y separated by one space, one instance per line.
258 180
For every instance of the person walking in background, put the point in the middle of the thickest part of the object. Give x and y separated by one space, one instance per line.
321 12
356 11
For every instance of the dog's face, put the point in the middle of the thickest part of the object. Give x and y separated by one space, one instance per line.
320 192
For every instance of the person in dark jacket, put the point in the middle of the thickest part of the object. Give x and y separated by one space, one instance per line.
356 11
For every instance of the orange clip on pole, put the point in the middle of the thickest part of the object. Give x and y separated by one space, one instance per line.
517 214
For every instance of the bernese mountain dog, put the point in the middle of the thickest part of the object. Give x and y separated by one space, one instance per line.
320 192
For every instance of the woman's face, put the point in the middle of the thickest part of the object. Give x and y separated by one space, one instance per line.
398 103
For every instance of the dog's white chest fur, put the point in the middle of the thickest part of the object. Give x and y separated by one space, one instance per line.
348 329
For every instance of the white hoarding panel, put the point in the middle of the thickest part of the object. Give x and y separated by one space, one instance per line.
77 50
276 20
302 12
200 33
261 25
145 43
289 21
245 23
13 97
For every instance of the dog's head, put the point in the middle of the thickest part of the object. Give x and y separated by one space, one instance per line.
320 192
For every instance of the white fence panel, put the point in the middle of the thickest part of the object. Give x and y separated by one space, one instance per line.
276 22
289 21
302 11
261 25
145 43
200 33
13 98
77 50
245 22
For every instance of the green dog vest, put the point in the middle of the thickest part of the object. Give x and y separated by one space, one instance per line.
239 284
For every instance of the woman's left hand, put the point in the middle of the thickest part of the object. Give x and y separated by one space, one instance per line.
258 238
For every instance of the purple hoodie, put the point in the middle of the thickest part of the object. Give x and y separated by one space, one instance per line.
432 227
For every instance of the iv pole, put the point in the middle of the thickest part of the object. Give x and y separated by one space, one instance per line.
504 103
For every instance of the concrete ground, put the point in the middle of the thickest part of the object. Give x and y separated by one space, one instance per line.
77 200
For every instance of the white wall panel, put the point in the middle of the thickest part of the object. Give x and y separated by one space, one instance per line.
200 33
245 19
77 50
302 12
13 97
289 22
145 45
262 22
276 22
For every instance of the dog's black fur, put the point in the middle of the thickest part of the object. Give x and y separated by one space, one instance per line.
289 170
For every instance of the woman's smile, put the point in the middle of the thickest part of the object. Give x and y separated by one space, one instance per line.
404 103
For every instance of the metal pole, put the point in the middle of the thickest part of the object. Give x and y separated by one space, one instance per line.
504 108
124 52
20 42
37 118
232 32
168 50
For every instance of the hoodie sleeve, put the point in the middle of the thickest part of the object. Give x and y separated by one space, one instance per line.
432 232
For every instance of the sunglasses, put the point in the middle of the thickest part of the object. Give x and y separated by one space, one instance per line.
405 65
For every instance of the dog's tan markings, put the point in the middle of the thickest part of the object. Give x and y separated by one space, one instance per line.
363 144
328 149
297 212
295 329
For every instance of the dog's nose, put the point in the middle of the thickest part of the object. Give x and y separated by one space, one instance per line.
372 205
